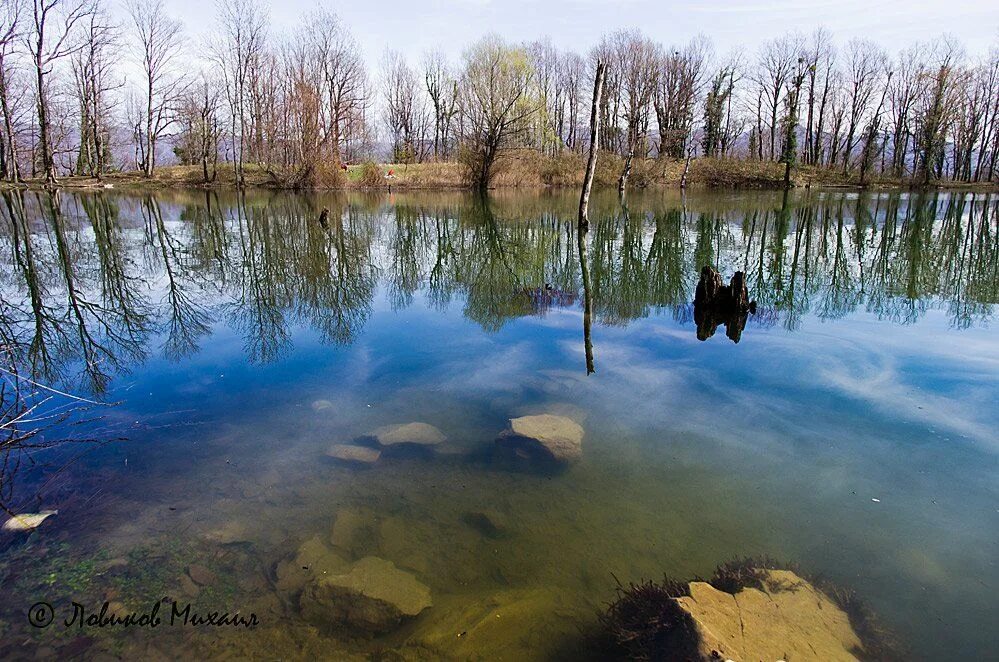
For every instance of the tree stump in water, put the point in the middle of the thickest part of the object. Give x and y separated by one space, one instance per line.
717 303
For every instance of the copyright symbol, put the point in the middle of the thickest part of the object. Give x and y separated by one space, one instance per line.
41 614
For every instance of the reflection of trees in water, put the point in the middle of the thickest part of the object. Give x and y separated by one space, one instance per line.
88 279
620 283
186 319
667 265
77 297
337 287
407 250
39 341
260 299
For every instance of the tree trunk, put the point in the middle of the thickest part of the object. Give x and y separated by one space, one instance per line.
591 161
11 147
150 142
622 183
99 146
48 162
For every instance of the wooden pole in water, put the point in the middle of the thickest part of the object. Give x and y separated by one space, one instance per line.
686 169
591 162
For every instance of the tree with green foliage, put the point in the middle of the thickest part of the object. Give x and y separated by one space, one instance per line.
497 103
716 103
789 150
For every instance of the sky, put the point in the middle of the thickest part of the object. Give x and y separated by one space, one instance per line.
414 26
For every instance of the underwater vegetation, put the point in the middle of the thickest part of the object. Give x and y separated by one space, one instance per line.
647 623
747 572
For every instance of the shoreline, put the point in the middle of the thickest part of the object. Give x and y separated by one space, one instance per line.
519 173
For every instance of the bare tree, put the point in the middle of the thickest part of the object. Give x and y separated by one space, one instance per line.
10 28
776 65
838 104
873 131
591 161
299 107
404 112
904 90
820 58
866 62
988 154
680 78
95 80
937 107
442 88
236 52
974 120
51 37
635 60
544 62
159 39
307 130
571 76
201 127
792 99
611 135
345 80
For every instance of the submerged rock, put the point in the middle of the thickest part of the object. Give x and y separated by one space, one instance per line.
314 559
567 409
188 587
422 434
28 521
547 436
230 533
515 624
449 449
354 453
374 596
201 575
356 531
488 524
789 619
409 543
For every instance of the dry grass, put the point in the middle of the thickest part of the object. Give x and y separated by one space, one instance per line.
517 169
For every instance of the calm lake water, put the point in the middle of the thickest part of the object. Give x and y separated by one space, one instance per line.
851 429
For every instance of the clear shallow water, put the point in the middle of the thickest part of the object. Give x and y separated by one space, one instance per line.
217 323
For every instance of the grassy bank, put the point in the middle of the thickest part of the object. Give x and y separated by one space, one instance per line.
523 169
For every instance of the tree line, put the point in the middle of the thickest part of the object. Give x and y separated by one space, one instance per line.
300 106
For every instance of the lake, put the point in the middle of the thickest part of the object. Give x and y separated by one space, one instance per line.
219 345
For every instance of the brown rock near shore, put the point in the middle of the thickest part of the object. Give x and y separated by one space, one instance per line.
788 620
